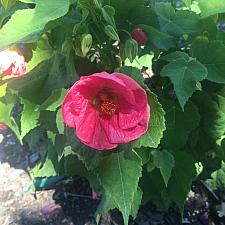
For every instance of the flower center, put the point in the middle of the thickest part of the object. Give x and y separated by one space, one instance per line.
108 107
105 102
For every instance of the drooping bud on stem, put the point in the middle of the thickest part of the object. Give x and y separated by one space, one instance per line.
139 35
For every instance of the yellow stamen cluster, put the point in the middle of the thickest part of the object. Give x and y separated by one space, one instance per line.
108 107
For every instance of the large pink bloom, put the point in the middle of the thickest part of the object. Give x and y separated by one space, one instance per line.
106 110
11 63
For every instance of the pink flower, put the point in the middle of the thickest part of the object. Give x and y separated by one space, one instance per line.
11 63
3 126
139 36
95 195
50 208
106 110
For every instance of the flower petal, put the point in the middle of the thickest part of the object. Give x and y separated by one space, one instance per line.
85 127
11 63
132 118
118 135
7 58
90 85
100 139
73 108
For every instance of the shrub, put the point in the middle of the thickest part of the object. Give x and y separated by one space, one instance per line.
179 47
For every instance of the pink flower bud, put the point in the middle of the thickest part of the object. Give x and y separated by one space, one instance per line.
139 36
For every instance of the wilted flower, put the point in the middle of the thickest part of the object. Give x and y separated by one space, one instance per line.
106 110
139 36
11 63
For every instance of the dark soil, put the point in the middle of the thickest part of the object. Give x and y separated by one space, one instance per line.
73 201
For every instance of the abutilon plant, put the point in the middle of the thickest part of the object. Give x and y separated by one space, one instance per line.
129 94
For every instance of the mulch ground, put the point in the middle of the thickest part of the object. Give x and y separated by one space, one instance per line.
72 202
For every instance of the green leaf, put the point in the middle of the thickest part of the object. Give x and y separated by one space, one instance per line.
61 71
69 164
59 122
51 135
154 189
86 43
29 117
212 56
209 7
3 88
187 3
37 85
68 151
6 118
217 179
111 32
30 86
218 129
157 121
108 13
72 166
107 203
177 22
54 100
140 62
47 120
172 57
178 186
133 72
133 13
179 124
27 25
59 145
182 176
89 156
7 4
45 169
185 75
7 13
165 162
144 154
156 125
195 7
212 118
136 203
131 49
159 39
40 54
120 178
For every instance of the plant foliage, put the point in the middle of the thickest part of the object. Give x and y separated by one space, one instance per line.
184 58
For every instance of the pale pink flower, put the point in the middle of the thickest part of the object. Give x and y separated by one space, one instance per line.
11 63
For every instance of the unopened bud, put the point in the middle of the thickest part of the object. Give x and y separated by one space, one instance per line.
139 35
